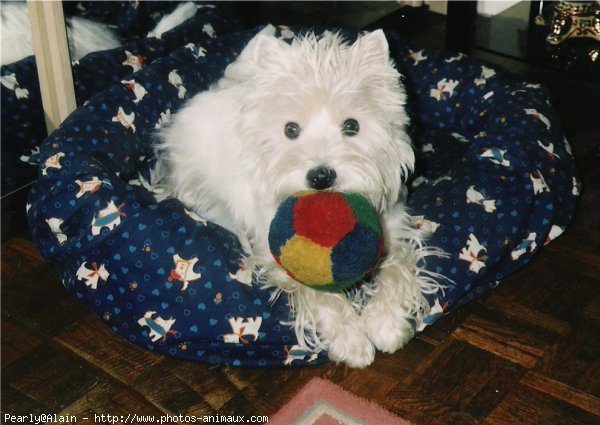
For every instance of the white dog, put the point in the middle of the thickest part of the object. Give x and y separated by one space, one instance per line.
317 114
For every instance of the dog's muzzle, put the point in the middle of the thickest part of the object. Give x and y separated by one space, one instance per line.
320 178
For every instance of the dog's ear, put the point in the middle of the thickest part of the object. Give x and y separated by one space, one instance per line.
247 55
263 51
267 50
373 48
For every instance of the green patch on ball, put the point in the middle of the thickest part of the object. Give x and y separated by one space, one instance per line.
326 240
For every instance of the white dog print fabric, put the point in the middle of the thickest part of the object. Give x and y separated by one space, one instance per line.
495 182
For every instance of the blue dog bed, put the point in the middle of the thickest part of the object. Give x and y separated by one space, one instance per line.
495 182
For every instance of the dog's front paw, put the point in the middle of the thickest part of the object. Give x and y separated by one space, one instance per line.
389 334
356 350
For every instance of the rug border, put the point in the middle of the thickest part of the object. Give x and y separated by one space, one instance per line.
319 389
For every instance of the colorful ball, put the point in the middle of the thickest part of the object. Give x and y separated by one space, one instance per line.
326 240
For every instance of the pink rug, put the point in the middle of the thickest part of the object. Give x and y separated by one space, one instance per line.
322 403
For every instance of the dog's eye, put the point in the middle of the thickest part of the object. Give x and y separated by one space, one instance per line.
292 130
350 127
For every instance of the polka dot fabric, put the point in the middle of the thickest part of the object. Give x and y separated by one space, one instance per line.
496 178
496 182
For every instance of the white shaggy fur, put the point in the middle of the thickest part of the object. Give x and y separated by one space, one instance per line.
225 154
182 13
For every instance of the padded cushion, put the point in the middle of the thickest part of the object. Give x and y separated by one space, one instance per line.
496 174
166 280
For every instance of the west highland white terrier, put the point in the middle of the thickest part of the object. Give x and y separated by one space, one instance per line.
319 113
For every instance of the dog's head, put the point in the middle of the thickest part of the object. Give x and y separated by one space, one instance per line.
321 113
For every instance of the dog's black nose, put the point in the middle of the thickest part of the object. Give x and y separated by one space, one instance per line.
321 178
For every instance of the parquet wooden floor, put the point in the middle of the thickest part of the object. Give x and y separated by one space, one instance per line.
529 353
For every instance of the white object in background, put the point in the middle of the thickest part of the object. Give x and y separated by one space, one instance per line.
438 6
494 7
435 6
